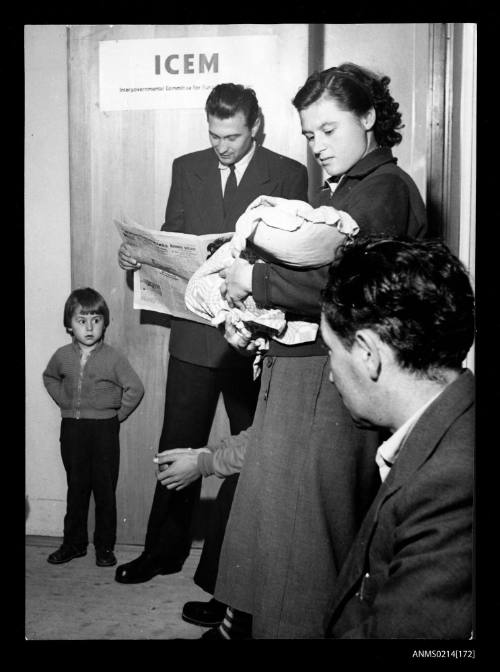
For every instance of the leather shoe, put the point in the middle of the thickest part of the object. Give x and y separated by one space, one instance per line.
143 569
104 557
206 614
65 553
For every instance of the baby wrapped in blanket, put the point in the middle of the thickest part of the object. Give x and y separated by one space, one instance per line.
288 232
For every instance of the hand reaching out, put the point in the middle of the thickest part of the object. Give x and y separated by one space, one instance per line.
177 468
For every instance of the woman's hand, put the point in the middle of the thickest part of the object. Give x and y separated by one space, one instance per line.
237 283
126 260
272 201
177 468
239 338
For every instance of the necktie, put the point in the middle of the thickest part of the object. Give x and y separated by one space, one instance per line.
230 189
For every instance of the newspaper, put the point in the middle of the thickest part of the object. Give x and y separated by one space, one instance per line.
167 260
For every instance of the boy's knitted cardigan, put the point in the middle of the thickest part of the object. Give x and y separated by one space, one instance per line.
106 386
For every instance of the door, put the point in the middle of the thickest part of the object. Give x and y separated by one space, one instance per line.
120 164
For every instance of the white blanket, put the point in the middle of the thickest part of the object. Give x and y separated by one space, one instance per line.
288 232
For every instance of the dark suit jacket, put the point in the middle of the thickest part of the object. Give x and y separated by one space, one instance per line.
409 571
195 206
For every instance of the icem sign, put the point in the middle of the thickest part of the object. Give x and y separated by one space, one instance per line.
191 63
180 72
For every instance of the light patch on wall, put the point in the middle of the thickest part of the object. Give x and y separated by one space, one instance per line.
179 73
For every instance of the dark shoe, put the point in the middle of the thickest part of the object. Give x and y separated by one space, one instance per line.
104 557
207 614
66 553
143 569
213 633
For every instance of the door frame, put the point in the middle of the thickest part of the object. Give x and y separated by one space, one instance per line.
451 147
451 150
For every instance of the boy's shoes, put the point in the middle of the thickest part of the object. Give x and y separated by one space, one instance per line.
142 569
65 553
207 614
104 557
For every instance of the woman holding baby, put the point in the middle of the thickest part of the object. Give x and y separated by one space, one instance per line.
309 474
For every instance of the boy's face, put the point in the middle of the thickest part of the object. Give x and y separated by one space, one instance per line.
87 328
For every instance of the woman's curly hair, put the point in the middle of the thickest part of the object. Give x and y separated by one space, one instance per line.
356 89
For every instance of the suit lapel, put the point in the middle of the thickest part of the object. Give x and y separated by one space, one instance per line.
421 442
430 428
205 184
353 568
204 181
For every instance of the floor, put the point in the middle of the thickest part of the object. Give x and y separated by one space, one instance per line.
80 601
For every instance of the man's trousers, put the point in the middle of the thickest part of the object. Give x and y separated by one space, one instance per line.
190 403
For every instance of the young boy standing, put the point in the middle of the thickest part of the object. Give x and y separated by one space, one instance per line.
96 388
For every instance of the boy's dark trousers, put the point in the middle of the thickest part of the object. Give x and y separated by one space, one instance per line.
90 452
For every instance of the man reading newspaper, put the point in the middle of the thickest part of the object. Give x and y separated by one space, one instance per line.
210 189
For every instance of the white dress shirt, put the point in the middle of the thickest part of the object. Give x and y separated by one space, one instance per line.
388 451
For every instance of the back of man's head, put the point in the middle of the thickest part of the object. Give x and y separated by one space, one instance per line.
416 295
226 100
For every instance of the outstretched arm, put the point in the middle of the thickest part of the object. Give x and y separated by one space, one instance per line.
179 467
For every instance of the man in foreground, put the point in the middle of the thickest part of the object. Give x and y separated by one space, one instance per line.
398 319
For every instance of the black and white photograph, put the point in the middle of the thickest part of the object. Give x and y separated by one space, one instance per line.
250 333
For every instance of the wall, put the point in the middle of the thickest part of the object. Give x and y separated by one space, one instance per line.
49 272
463 183
120 164
400 51
47 265
463 144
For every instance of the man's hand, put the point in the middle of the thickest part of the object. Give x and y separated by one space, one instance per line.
237 283
126 260
178 468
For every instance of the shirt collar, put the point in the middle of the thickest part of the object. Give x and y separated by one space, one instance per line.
377 157
332 182
241 165
388 451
